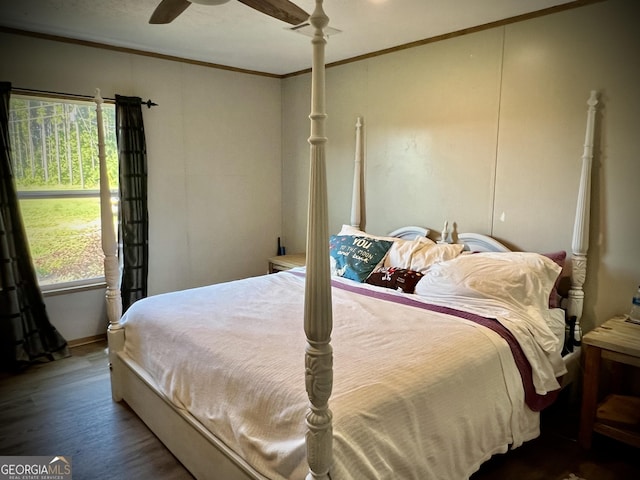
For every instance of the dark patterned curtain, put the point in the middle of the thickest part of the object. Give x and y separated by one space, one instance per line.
133 229
26 335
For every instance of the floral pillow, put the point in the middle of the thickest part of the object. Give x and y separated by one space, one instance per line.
395 278
559 258
355 257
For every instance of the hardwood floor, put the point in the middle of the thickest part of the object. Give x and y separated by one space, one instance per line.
65 408
555 454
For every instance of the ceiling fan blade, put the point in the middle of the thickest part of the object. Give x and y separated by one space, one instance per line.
168 10
281 9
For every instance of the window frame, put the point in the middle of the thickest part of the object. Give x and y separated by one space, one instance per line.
89 283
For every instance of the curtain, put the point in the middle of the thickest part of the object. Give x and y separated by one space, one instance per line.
26 335
133 231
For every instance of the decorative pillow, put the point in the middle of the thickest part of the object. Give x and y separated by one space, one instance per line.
355 257
400 252
395 278
558 257
520 279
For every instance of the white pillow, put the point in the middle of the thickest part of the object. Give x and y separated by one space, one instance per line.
426 255
520 279
555 320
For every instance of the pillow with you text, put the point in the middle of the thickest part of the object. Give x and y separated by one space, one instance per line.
355 257
401 250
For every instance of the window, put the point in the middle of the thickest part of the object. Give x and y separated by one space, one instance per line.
54 148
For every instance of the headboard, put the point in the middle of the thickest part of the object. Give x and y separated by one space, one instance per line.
476 242
407 233
473 242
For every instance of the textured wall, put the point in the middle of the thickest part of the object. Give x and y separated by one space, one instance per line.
487 130
214 162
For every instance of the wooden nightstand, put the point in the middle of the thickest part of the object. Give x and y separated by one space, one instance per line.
281 263
618 416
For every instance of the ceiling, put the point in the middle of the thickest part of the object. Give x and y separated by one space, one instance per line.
237 36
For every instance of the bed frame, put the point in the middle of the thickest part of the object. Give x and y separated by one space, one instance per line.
204 455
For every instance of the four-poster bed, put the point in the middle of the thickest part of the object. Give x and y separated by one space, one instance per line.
400 396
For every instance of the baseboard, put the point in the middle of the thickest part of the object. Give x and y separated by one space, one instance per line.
87 340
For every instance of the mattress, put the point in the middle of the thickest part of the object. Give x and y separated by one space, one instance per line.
417 393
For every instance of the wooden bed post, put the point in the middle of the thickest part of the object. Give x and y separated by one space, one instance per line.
580 242
357 215
115 333
318 320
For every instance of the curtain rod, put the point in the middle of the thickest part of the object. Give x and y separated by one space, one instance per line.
148 103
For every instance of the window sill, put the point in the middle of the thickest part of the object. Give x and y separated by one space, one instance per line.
64 289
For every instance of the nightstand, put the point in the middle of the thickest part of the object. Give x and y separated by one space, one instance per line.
618 416
281 263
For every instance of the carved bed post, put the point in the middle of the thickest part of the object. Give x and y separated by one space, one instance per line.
580 242
115 334
358 180
318 320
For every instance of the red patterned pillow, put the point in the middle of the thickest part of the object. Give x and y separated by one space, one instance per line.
559 258
395 278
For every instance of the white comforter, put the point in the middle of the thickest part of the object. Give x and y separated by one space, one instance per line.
417 394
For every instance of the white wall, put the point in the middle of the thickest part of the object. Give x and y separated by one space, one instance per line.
462 129
493 122
214 161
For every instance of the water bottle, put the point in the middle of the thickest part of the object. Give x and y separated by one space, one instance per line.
634 314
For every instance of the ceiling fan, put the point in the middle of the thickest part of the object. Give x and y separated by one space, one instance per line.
283 10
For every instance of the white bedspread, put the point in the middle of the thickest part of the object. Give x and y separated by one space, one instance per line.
417 394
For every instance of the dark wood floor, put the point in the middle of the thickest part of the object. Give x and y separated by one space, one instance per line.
65 408
555 454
